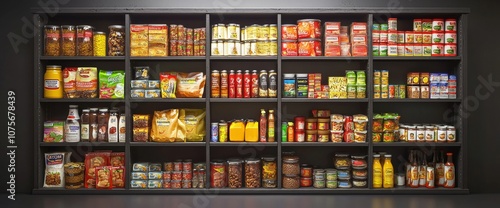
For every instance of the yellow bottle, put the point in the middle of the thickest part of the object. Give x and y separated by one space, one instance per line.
237 131
53 82
377 172
388 172
252 131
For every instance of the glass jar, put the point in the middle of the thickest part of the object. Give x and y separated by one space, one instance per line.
99 43
411 133
269 168
306 182
52 40
68 40
269 183
306 171
291 182
451 134
235 177
319 178
331 184
252 173
331 174
290 166
53 82
116 40
342 161
217 174
420 133
359 162
84 40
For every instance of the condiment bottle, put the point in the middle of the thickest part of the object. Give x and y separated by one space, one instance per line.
284 129
121 128
72 125
429 183
388 169
53 82
263 126
408 168
290 132
113 126
422 172
414 179
102 119
440 170
377 172
85 126
271 127
93 125
449 171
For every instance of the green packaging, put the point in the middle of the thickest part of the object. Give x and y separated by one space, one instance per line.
111 84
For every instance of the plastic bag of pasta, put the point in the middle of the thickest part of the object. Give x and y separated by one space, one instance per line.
164 126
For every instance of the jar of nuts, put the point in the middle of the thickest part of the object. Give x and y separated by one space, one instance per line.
116 40
84 40
52 40
68 40
235 173
268 168
291 181
290 165
252 173
217 174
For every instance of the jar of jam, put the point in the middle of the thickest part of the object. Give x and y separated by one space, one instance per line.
411 133
305 182
451 134
323 123
306 171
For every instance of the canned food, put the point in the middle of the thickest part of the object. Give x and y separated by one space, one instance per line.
437 37
263 48
426 25
289 48
417 25
450 38
450 50
243 33
251 32
221 32
437 49
392 91
309 47
418 37
217 48
401 37
451 25
273 48
233 31
402 91
232 48
392 24
309 28
263 32
250 48
311 135
273 32
392 50
289 32
215 132
437 25
426 49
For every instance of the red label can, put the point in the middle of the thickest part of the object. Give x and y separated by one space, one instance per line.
255 84
348 124
232 84
239 84
247 84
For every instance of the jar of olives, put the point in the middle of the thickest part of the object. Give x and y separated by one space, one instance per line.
68 40
84 41
52 40
116 40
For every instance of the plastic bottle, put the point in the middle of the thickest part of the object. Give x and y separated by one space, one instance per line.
53 82
271 127
72 125
377 172
388 172
290 132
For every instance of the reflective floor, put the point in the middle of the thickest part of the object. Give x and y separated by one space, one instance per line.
247 201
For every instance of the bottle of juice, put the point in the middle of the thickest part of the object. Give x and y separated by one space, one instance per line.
388 172
263 126
271 127
377 172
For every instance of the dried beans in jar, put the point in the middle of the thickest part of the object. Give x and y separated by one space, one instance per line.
252 173
291 165
235 177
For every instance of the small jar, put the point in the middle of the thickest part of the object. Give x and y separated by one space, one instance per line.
360 174
306 171
342 161
235 176
52 40
331 184
451 134
323 123
116 40
429 134
291 182
359 183
358 162
344 184
441 134
99 43
269 168
323 136
420 133
412 133
306 182
319 183
290 166
252 173
68 40
84 40
401 179
269 184
331 174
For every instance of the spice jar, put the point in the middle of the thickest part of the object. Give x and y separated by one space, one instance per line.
290 166
84 35
53 82
235 177
52 40
450 134
252 173
269 169
68 40
116 40
99 43
217 174
291 181
429 134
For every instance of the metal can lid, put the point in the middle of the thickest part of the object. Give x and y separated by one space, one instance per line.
53 67
51 26
307 20
116 26
67 26
99 33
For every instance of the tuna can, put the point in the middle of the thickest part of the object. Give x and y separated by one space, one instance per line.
233 31
437 37
437 25
437 49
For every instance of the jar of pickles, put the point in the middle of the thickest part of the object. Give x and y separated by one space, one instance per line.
269 169
116 40
84 41
99 43
252 173
235 177
52 40
68 40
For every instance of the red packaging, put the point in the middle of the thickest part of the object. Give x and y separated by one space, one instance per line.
187 165
348 123
333 40
247 84
187 175
332 29
309 28
348 136
300 123
332 50
176 175
93 160
359 40
103 177
232 84
177 166
289 48
239 84
118 174
117 159
167 175
359 50
289 32
358 28
300 136
255 85
310 47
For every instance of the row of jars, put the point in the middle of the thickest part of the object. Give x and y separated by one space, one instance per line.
82 40
233 31
250 173
246 48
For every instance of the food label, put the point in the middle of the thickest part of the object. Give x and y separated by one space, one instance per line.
85 132
449 172
430 183
52 84
72 132
122 131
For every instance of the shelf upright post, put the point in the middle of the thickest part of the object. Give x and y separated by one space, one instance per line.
369 88
462 121
280 95
128 112
38 92
208 86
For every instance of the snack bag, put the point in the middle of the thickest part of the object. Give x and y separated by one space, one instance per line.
54 170
118 174
111 84
103 177
93 160
168 84
190 85
117 159
165 125
192 125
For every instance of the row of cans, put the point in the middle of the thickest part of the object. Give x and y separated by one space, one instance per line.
420 25
441 90
245 48
243 84
233 31
383 49
402 37
219 131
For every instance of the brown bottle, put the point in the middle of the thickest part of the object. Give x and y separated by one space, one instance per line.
431 173
414 178
449 171
440 170
263 126
408 168
93 125
102 119
422 172
271 127
85 126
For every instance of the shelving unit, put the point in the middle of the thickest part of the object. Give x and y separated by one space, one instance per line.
286 108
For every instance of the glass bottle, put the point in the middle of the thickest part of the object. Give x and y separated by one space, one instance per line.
449 171
72 125
113 126
422 172
377 172
408 168
430 183
102 119
93 125
271 127
414 179
263 126
388 172
440 170
85 126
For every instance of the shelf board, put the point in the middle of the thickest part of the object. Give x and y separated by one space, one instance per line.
236 144
81 100
78 191
167 144
82 144
417 58
422 190
243 100
324 58
246 58
168 58
82 58
310 100
325 144
416 144
417 100
168 100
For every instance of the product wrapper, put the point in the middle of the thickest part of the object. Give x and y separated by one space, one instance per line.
165 126
93 160
168 84
192 125
118 174
54 170
86 82
70 82
104 179
53 131
111 84
117 159
190 85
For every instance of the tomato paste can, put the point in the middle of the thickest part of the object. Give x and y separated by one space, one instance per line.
450 38
247 84
289 48
309 28
300 136
450 25
409 37
289 32
348 124
450 50
437 37
300 123
232 84
437 49
239 84
437 25
309 47
393 24
215 132
255 84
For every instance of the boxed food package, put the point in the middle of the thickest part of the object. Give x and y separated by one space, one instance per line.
337 87
332 50
103 178
53 131
92 161
358 28
139 40
86 82
111 84
359 40
359 50
332 28
158 40
165 125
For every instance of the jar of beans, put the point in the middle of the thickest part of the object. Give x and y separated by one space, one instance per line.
52 40
217 174
291 181
291 165
235 176
252 173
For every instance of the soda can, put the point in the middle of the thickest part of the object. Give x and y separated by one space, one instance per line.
247 85
255 84
348 124
223 131
232 84
239 84
215 132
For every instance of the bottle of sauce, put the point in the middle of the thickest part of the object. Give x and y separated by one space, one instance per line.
290 132
113 126
388 172
93 125
102 119
414 178
121 128
263 126
377 172
271 127
85 126
72 125
408 168
284 129
429 183
422 171
53 82
449 171
440 170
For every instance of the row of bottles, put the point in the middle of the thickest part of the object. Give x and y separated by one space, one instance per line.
383 175
267 126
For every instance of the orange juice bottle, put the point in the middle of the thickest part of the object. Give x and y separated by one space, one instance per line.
377 172
388 172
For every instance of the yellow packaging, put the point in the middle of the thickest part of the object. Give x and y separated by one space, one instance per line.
337 87
191 125
139 40
237 131
252 131
165 126
158 40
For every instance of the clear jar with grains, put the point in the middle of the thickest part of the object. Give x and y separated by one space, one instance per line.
116 40
99 43
235 173
84 40
252 173
290 165
291 181
52 40
68 40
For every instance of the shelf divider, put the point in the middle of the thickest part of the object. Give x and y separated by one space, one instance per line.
128 111
369 70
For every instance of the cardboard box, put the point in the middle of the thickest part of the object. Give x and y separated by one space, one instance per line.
158 39
359 40
139 40
359 50
332 28
358 28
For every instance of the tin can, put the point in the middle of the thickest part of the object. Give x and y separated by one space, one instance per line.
251 32
450 25
223 131
250 48
273 84
273 32
437 49
232 48
309 47
243 33
392 91
424 92
217 48
239 84
284 128
409 37
402 91
254 93
263 84
392 24
348 124
233 31
417 25
309 28
437 25
232 84
450 50
401 37
264 32
224 84
289 32
262 48
289 48
392 37
437 37
247 84
273 48
215 32
426 38
419 37
215 86
426 49
215 132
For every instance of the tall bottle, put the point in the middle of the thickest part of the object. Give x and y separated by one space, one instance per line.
388 172
113 126
440 170
271 127
102 119
408 168
422 170
72 125
449 171
263 126
414 178
377 172
85 126
93 125
121 128
429 183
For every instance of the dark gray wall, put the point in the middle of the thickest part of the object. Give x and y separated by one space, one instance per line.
17 74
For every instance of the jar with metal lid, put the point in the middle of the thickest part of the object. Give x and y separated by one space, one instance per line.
53 82
429 133
262 48
84 40
217 174
68 40
319 174
359 162
451 134
291 181
269 169
52 40
412 133
116 40
317 183
331 184
420 133
273 32
233 31
217 48
215 32
251 32
250 48
235 173
306 171
323 135
441 134
269 183
99 43
403 133
331 174
306 182
290 166
342 161
221 32
252 173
